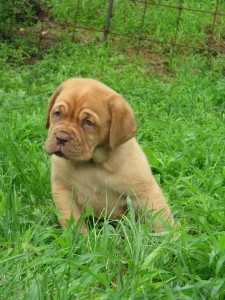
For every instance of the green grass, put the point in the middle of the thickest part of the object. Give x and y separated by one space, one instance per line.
181 129
159 24
180 115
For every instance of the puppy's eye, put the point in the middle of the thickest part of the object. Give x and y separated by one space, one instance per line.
88 124
57 115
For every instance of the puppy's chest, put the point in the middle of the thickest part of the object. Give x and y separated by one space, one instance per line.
94 188
92 185
88 181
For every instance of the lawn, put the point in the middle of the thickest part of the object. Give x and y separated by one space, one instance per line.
180 115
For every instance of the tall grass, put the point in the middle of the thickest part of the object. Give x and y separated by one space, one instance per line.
181 125
180 115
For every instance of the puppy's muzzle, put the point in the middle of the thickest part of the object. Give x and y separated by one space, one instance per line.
62 137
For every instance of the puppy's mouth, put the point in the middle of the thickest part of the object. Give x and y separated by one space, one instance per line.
67 146
60 154
65 151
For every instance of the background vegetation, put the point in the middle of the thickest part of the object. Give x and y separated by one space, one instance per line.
160 22
180 113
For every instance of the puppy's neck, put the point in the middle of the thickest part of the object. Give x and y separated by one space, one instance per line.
100 155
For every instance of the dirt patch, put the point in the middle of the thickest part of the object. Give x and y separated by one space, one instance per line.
157 63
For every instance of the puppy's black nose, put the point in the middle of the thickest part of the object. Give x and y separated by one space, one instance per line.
62 137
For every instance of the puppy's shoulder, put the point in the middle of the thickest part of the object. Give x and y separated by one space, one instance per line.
129 157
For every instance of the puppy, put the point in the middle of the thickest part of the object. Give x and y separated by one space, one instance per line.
96 161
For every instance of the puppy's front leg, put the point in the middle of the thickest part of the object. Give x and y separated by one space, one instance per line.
65 203
155 201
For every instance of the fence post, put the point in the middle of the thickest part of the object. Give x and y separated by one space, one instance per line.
75 20
142 25
213 24
177 29
107 23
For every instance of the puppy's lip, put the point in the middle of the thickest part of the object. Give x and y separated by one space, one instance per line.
60 154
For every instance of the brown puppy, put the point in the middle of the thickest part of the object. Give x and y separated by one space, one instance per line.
96 161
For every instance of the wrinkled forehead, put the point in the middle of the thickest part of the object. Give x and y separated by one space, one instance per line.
77 98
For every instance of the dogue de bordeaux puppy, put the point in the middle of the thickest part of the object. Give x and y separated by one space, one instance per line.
96 161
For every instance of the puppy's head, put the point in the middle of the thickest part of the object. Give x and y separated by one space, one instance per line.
85 118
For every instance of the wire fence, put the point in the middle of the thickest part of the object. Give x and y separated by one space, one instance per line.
142 26
163 27
155 26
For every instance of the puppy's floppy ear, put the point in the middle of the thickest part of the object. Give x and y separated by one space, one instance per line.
51 103
123 125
